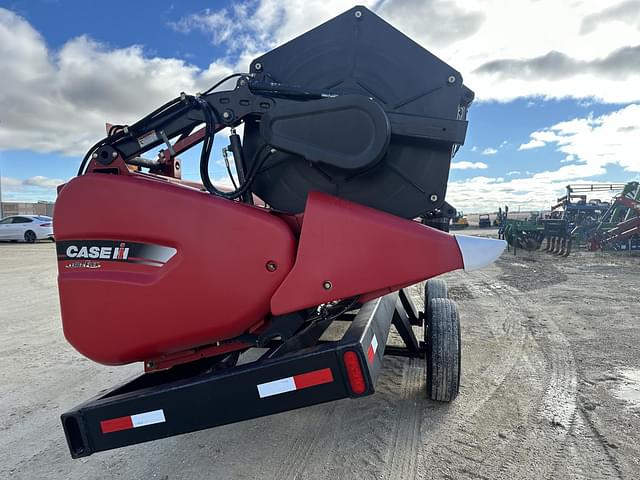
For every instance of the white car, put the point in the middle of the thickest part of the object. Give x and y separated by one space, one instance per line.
27 228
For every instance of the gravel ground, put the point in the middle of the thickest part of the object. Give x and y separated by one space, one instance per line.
550 389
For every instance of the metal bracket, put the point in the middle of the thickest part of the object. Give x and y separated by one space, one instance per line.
167 143
401 320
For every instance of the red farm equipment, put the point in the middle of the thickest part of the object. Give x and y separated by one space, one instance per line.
349 131
619 226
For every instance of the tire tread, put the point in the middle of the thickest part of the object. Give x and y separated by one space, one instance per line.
443 350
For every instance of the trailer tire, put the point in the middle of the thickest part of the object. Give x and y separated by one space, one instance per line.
434 288
442 339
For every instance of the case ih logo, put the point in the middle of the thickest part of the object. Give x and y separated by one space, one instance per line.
104 253
114 251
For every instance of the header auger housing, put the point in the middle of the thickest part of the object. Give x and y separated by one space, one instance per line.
349 131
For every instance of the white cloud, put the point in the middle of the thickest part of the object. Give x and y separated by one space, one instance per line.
30 189
528 194
611 139
513 172
587 51
474 148
43 182
237 27
533 143
489 151
592 143
10 182
468 165
490 193
627 12
59 101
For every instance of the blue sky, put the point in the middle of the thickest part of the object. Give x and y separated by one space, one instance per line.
549 110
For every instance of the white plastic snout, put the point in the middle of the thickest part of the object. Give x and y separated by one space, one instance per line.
478 252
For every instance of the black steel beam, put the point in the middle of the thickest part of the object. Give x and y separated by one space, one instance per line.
402 323
414 316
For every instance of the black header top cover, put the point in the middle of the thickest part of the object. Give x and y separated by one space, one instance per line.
359 53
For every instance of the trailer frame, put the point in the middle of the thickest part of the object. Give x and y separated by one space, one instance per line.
162 404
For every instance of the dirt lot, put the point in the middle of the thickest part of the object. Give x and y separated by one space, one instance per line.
550 389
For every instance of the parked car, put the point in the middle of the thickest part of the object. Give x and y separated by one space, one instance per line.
27 228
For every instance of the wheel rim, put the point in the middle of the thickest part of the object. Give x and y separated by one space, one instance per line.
30 237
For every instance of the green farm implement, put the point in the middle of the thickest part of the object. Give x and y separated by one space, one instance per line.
524 234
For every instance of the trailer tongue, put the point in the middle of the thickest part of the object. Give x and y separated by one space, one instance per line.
349 131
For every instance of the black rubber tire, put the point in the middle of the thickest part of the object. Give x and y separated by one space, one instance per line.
443 350
30 236
435 288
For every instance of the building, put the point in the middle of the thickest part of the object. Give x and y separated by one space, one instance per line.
24 208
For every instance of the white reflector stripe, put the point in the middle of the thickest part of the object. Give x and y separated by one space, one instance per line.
297 382
148 418
276 387
373 347
132 421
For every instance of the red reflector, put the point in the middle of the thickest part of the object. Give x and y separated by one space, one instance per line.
116 424
311 379
354 372
370 354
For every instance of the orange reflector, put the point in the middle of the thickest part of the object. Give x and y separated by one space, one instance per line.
354 372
